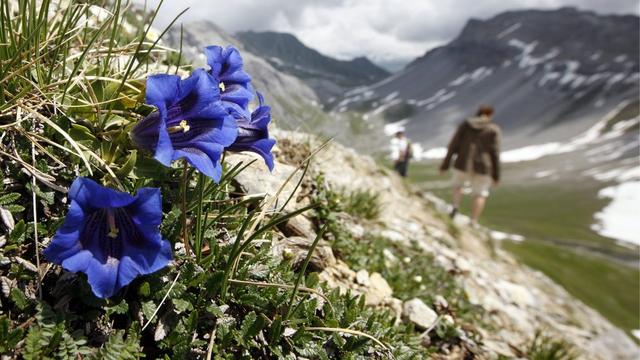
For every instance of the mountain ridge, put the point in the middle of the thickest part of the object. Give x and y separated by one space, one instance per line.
545 71
327 75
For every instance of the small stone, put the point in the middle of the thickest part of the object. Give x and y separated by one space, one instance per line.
463 265
416 311
389 258
425 340
378 290
448 319
362 277
441 302
298 226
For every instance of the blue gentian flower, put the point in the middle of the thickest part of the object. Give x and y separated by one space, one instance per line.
110 235
233 81
191 122
253 134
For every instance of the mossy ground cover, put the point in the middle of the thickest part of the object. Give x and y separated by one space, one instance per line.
556 218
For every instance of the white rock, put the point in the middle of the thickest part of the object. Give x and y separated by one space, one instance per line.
378 290
362 277
463 265
441 301
416 311
516 294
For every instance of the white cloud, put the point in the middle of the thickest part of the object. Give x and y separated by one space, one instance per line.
386 31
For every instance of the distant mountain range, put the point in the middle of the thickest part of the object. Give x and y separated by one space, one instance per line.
328 76
550 74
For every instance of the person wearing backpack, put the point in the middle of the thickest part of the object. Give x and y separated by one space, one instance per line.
476 146
401 153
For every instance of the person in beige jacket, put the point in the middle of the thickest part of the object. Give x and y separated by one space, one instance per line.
476 145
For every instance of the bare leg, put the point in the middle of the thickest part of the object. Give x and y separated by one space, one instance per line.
457 196
478 206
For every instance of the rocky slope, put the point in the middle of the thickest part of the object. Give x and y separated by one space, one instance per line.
550 74
329 77
516 300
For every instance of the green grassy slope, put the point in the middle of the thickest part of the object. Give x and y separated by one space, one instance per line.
607 287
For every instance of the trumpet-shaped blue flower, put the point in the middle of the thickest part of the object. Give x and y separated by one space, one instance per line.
111 236
233 81
191 122
253 134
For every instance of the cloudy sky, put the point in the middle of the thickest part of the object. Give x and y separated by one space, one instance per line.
390 32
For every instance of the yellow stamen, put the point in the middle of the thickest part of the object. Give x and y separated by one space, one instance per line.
113 230
183 126
222 87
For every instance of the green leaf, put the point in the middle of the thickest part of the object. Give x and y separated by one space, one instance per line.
14 208
181 305
128 165
18 235
148 307
116 121
251 325
145 289
81 133
19 298
9 198
120 308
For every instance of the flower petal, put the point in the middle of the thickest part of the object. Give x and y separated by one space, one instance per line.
261 147
143 260
162 90
215 58
197 93
205 157
91 195
103 277
147 207
77 262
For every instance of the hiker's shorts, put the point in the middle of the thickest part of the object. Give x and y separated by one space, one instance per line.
479 183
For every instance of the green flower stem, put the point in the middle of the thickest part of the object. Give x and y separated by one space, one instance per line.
185 232
199 220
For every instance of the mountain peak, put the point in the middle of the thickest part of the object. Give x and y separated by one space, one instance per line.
327 75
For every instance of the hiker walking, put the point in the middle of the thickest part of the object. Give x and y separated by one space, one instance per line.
400 152
476 144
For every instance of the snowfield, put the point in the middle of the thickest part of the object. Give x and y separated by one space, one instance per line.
619 219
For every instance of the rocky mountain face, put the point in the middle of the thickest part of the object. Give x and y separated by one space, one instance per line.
328 76
549 74
515 301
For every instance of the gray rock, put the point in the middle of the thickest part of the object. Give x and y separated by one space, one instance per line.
296 248
256 180
298 226
417 312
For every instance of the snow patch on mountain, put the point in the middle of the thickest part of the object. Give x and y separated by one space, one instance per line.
509 30
619 220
